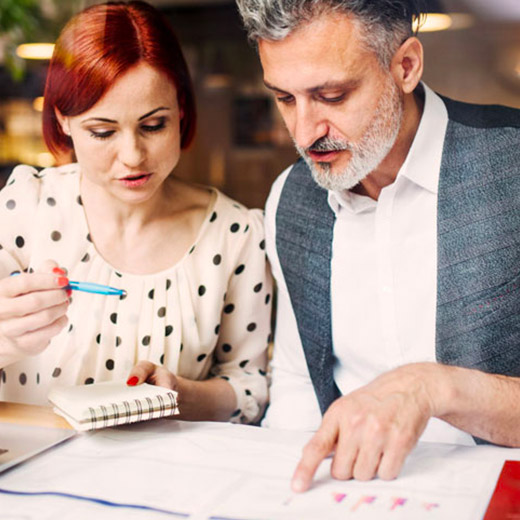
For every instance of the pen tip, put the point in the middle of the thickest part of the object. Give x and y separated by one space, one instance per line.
123 294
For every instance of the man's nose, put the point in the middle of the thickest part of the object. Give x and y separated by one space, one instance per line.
309 125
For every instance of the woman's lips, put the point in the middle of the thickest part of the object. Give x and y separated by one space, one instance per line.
135 181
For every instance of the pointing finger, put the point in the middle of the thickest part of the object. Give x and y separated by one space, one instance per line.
317 449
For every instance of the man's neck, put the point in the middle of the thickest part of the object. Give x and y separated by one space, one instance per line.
387 171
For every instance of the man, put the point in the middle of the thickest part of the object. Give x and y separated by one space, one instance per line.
395 243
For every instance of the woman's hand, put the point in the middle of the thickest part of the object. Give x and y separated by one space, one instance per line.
33 310
147 372
210 400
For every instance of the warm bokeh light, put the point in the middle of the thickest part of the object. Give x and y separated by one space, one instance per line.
38 104
35 51
45 160
433 22
441 22
461 20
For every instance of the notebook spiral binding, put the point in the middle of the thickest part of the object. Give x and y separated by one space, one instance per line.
128 412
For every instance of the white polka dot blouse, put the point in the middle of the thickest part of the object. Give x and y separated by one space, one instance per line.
206 316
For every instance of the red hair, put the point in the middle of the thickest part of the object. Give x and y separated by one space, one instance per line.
95 48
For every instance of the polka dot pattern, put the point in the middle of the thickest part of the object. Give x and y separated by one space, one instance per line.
204 317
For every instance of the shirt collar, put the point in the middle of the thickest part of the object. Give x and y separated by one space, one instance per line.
423 162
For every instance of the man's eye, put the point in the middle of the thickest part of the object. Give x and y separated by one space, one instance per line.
101 135
284 99
332 99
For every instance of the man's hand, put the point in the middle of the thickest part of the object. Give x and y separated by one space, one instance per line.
372 430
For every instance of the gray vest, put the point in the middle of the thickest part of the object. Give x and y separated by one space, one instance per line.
478 255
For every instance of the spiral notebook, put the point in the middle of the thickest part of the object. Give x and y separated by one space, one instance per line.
101 405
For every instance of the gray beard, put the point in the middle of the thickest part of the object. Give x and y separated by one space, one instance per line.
368 153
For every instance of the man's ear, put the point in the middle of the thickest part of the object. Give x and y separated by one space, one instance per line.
63 122
407 64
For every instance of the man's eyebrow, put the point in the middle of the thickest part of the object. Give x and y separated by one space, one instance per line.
272 87
349 84
106 120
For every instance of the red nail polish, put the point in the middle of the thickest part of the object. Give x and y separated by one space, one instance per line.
69 292
62 281
132 381
57 270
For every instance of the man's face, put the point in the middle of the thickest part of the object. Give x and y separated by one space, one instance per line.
341 108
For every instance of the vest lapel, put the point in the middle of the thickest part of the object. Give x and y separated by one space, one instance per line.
304 230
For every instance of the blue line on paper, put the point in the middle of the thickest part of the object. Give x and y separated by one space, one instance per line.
94 500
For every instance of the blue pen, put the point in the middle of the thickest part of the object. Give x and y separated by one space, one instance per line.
90 287
95 288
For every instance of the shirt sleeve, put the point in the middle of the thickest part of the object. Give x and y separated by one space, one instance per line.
18 205
293 402
241 354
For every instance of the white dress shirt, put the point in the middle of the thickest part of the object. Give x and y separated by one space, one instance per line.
384 283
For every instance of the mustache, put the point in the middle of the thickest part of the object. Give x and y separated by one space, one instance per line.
328 144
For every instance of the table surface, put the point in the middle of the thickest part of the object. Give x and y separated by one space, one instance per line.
32 415
244 471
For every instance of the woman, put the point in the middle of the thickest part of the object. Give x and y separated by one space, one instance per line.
195 316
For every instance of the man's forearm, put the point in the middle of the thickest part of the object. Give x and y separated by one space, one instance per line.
484 405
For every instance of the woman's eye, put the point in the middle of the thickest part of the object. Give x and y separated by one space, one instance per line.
154 128
101 134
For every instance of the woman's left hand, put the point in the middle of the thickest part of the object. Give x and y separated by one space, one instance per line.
211 400
147 372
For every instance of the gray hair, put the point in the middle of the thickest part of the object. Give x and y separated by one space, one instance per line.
383 25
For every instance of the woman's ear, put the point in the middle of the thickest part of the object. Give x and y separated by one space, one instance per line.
407 65
63 122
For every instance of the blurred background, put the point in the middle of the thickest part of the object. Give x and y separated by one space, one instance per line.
472 53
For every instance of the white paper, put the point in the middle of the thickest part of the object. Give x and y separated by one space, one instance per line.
215 470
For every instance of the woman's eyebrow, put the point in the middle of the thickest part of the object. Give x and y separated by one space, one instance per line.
153 112
106 120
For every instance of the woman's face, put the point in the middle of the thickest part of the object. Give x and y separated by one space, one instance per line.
128 143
